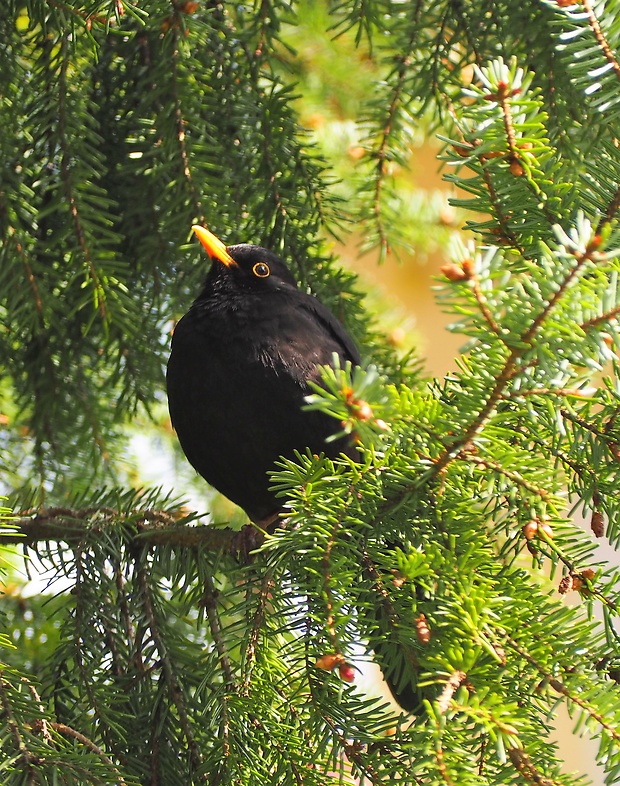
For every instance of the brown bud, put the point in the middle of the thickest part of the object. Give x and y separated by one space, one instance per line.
608 339
516 168
356 152
397 337
546 528
530 529
565 585
363 410
447 216
577 583
462 151
468 265
453 272
329 661
588 574
597 523
422 629
188 7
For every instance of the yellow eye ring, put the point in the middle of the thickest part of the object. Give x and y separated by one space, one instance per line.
261 270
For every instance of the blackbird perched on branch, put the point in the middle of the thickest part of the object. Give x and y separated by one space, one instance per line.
239 372
241 365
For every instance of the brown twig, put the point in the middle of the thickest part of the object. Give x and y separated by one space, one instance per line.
67 731
600 37
180 128
382 153
561 688
259 616
29 272
611 211
523 764
152 527
452 685
439 754
484 307
512 475
28 759
174 689
329 606
606 317
65 169
209 597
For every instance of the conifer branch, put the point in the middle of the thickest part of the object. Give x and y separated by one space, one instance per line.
329 606
596 321
511 365
483 305
382 153
152 527
180 128
67 731
561 688
174 689
439 752
29 272
610 212
523 764
512 475
209 598
506 231
28 759
259 616
65 168
600 37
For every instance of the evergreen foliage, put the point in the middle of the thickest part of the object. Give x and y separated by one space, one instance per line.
163 654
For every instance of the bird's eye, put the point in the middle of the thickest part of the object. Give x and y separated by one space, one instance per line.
261 270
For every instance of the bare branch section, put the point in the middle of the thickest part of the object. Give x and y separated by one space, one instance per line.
148 527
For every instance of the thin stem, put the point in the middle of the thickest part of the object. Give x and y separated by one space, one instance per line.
382 153
600 37
484 307
174 688
210 603
67 731
27 758
67 180
523 764
561 688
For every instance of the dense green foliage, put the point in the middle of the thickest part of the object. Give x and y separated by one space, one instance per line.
164 655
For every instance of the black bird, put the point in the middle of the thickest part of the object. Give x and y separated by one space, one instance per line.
239 371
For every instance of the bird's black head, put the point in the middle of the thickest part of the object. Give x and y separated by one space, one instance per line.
243 267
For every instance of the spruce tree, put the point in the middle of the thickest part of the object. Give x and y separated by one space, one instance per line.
452 552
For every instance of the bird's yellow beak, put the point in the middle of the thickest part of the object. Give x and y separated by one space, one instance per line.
213 245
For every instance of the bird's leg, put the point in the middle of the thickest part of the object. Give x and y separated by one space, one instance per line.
252 536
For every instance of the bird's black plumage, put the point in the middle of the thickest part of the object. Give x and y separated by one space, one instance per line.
239 371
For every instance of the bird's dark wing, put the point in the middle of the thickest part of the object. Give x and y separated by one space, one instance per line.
333 326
